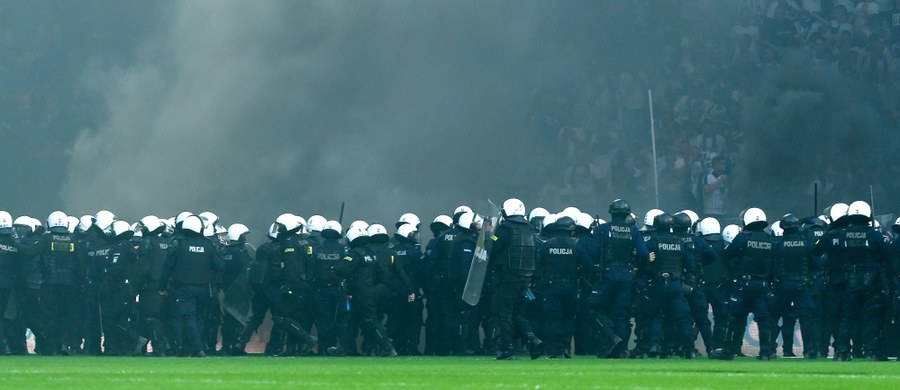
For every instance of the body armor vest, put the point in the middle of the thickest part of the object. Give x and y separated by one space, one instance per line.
560 259
58 262
791 262
8 255
756 259
617 247
855 248
669 254
327 256
521 252
716 271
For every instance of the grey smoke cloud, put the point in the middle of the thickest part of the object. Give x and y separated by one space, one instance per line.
810 124
250 109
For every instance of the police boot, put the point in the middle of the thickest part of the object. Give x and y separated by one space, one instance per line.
535 345
293 328
607 340
765 337
508 353
724 352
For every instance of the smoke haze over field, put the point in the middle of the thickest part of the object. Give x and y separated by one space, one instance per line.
251 109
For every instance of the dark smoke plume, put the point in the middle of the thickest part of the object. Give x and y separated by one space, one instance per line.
250 109
809 124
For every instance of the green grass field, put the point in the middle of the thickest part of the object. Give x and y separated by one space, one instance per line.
38 372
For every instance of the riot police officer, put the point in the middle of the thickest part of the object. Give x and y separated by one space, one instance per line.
327 285
716 278
864 256
152 254
615 250
670 261
792 275
236 256
513 260
694 282
361 269
190 266
751 253
559 269
8 255
405 322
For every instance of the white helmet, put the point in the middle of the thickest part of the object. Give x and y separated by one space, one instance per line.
442 220
104 220
730 232
409 218
650 217
58 219
301 222
121 227
692 214
407 230
359 224
192 223
235 231
465 220
287 222
753 215
85 223
777 231
376 229
859 208
25 221
136 229
316 223
209 222
709 225
600 221
837 210
513 206
550 219
584 220
6 222
462 209
571 212
35 224
273 231
538 212
72 223
181 217
355 232
169 223
152 224
333 226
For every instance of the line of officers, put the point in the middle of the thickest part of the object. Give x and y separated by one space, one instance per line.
97 285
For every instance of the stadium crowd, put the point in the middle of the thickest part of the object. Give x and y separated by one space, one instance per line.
708 67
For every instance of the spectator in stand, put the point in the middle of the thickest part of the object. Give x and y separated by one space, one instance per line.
715 189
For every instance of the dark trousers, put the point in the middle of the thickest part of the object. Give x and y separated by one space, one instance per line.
327 301
717 295
862 307
560 307
611 299
668 298
57 307
192 301
509 309
750 296
405 324
794 296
